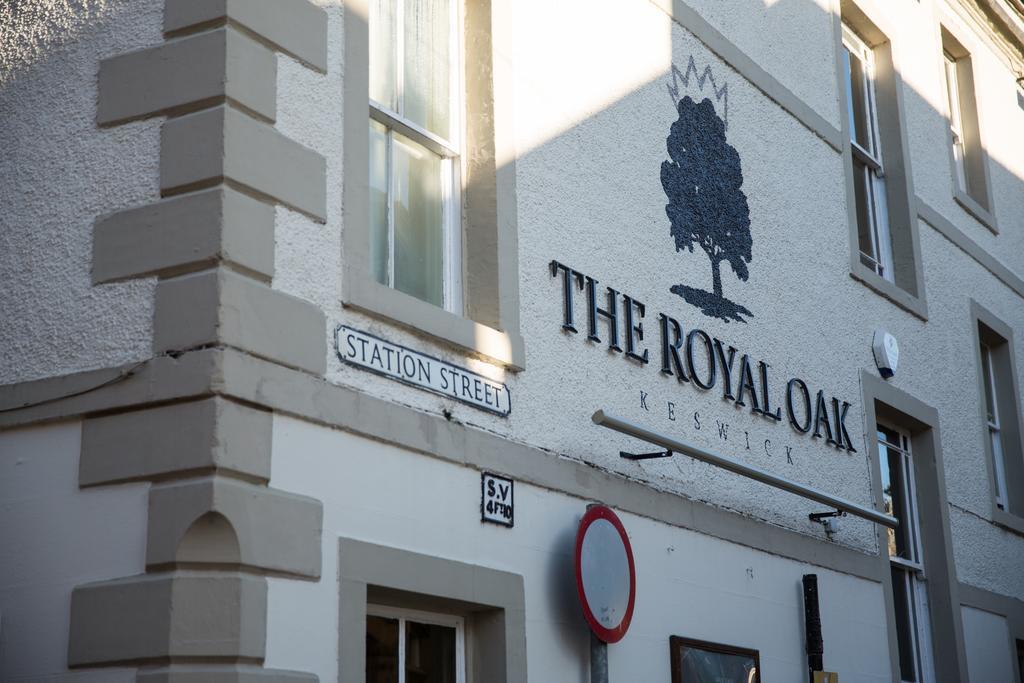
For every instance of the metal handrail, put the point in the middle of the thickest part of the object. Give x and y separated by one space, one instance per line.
618 424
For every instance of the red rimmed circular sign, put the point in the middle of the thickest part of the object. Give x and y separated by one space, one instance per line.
605 574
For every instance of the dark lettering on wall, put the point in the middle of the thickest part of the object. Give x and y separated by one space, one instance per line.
611 314
670 360
801 426
823 416
709 354
846 442
567 276
634 332
766 409
726 362
747 385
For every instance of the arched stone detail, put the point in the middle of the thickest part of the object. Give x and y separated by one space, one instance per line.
211 538
276 531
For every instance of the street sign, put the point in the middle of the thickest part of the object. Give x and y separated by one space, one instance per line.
605 574
497 504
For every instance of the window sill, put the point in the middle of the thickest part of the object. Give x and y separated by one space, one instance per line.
1008 520
366 294
889 290
971 206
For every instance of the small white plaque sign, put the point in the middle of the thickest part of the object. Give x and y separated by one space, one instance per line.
377 355
496 499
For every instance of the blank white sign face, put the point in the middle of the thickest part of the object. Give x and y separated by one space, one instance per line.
604 571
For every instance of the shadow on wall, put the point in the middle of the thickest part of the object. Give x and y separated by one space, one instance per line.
30 30
705 205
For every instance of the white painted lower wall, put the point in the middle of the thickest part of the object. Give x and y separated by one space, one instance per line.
54 536
689 584
988 645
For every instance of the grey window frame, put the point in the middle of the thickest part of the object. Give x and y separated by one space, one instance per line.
907 288
974 195
910 569
884 403
989 330
488 324
491 602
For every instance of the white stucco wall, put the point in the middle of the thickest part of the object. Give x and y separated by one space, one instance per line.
999 115
591 141
591 124
60 171
987 642
53 537
688 584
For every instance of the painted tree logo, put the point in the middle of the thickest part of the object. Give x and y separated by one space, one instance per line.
706 205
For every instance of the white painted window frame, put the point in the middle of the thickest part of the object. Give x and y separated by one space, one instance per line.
955 119
404 615
449 149
881 259
912 568
994 428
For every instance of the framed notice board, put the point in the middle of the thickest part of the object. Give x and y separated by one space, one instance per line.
698 661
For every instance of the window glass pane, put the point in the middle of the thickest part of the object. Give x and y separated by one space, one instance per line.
898 488
890 494
998 467
848 84
379 202
699 665
381 650
952 92
860 131
429 653
903 603
865 234
955 125
880 211
383 26
427 75
986 373
418 220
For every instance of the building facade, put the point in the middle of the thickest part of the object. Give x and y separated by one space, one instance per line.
322 320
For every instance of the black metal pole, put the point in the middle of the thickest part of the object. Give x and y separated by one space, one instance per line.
598 660
812 624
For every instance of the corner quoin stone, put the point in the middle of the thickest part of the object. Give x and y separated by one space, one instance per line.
225 673
276 531
223 143
296 27
185 233
179 614
222 307
150 443
196 70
